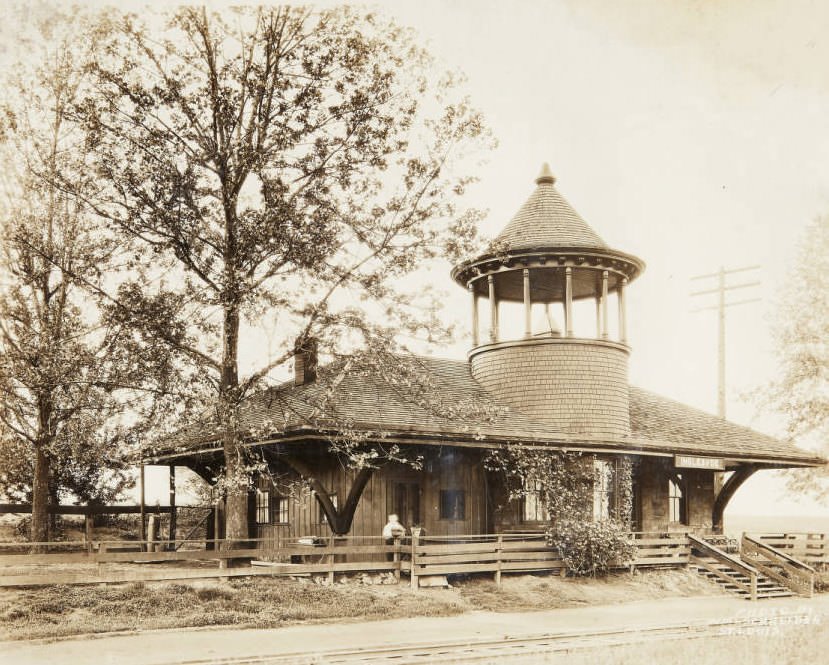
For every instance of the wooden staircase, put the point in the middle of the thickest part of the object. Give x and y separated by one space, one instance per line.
735 581
733 574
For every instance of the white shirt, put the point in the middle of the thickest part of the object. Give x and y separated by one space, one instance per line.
393 530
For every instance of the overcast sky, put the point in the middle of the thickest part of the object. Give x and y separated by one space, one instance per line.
693 134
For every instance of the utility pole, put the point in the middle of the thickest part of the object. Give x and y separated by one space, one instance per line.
721 306
720 290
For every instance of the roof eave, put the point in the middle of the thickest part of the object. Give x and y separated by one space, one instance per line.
632 446
549 256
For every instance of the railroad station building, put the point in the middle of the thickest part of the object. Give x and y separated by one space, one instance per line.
555 375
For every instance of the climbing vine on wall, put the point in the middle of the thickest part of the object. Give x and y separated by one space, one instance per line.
564 480
624 490
568 484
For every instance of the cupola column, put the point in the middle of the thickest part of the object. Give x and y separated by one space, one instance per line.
623 326
568 301
493 310
528 306
475 336
605 333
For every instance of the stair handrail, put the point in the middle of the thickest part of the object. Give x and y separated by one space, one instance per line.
797 563
717 553
793 573
733 562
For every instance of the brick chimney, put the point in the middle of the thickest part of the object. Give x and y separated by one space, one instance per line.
305 361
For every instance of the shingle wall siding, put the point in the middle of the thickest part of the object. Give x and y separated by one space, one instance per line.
578 387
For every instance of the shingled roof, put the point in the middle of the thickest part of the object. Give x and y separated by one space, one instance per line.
547 221
448 406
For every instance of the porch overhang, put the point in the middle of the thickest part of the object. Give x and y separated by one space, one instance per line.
636 446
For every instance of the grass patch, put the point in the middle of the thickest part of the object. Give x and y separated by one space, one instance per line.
258 602
529 592
61 611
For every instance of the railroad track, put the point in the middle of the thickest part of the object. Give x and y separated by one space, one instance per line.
489 650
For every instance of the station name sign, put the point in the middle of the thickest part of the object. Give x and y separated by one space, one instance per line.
691 462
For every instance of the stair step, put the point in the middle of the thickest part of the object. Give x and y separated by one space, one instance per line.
788 594
737 581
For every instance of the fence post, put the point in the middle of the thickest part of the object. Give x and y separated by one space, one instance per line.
331 559
753 586
88 533
152 532
210 531
413 575
172 545
396 558
498 546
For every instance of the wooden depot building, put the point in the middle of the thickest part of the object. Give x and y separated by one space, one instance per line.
560 387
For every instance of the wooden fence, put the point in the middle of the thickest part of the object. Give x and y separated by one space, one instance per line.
806 547
779 566
122 561
495 554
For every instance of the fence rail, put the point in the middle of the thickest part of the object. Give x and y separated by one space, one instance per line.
809 548
416 556
779 566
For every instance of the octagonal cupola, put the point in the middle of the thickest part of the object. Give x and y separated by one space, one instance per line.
548 257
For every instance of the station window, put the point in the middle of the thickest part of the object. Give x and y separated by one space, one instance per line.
534 509
263 507
323 518
280 510
602 489
677 500
452 505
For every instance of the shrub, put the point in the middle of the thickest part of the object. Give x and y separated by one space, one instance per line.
591 548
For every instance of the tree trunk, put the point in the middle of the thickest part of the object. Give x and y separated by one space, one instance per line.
54 500
40 501
236 512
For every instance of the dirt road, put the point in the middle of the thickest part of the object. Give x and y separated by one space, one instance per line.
478 636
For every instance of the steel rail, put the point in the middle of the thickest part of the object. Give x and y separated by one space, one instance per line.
477 650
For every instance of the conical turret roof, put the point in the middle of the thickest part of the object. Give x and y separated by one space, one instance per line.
547 234
547 221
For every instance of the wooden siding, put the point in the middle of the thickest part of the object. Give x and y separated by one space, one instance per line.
447 470
487 508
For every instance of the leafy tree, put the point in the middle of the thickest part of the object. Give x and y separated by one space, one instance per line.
801 392
60 367
283 164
